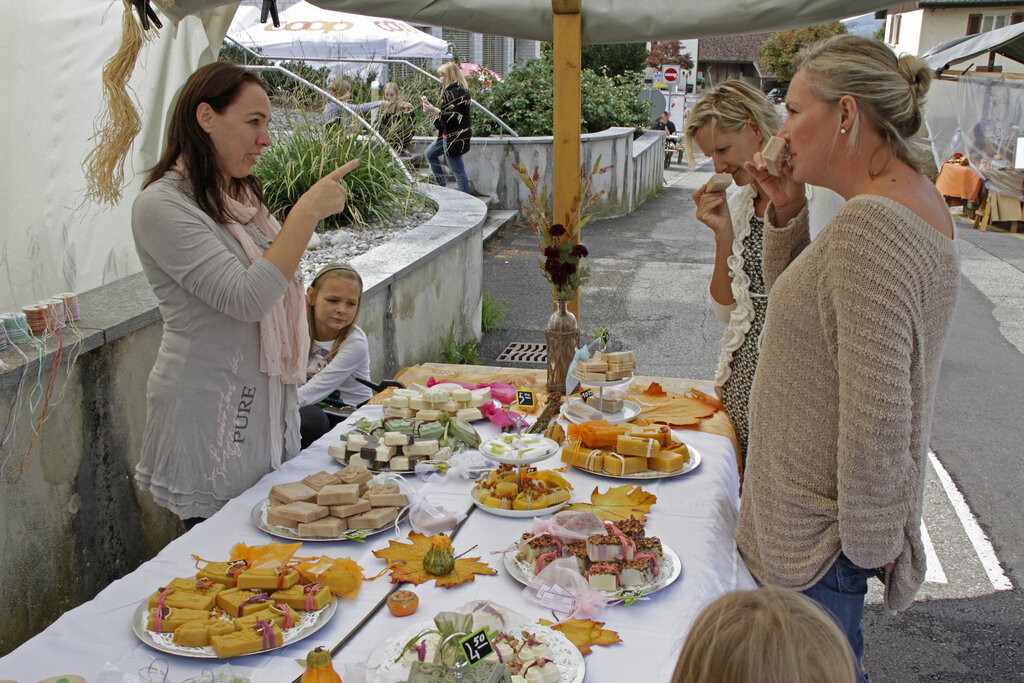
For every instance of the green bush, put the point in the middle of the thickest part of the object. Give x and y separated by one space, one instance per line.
378 189
526 99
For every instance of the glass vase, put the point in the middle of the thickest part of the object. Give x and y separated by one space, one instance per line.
563 336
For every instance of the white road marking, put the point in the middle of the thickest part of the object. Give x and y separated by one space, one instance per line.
934 573
978 539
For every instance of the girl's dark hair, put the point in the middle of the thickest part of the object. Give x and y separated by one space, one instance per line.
218 84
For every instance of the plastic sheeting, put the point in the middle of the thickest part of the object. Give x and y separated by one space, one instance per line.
982 117
52 241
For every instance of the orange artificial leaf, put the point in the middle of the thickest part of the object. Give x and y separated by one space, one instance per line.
619 503
653 389
705 398
584 632
406 563
666 407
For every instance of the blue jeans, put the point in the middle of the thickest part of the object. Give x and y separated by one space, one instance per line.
841 591
434 154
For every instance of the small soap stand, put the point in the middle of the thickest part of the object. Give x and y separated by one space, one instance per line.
601 387
459 663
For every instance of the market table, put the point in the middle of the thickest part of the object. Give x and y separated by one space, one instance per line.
957 180
695 516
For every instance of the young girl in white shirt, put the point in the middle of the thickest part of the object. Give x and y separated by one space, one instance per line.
339 355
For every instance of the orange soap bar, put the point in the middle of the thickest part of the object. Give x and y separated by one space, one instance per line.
310 597
237 602
279 613
198 633
618 465
667 462
189 593
173 617
268 578
222 572
246 641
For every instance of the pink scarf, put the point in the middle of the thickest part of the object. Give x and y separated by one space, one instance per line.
284 334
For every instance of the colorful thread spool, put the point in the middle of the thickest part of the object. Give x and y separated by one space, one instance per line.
70 300
16 327
36 317
55 313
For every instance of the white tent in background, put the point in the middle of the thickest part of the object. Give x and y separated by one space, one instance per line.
308 32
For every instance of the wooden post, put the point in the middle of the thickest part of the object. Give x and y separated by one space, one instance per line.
567 48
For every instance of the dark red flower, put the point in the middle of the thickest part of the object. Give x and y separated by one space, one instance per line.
556 230
559 279
568 268
552 265
551 252
579 251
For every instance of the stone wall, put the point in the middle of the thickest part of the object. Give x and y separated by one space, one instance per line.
71 518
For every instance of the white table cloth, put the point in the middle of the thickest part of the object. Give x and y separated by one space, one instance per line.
695 515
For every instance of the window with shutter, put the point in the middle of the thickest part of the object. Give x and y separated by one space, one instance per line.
461 43
973 24
493 56
1016 17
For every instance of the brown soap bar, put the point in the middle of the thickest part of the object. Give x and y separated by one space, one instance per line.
374 519
362 505
275 518
338 494
379 500
302 512
353 474
327 527
282 494
318 480
774 154
718 182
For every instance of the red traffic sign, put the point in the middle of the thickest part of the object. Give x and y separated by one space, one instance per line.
671 74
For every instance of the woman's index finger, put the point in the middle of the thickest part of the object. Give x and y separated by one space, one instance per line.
343 170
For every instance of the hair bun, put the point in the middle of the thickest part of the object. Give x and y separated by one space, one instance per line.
918 74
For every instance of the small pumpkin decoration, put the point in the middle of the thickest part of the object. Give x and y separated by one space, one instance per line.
319 668
403 603
438 560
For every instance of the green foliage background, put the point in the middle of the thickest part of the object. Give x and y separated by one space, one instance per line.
777 53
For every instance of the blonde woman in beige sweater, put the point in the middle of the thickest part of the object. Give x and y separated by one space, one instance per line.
841 405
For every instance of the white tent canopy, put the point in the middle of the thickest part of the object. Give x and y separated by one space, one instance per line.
1008 41
604 21
309 32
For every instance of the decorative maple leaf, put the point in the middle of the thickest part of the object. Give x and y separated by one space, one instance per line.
406 560
619 503
584 632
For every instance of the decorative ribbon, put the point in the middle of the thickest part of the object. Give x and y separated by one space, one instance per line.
158 614
267 629
310 592
257 598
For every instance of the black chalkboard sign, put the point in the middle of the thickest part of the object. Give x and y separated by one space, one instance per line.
525 398
476 646
586 394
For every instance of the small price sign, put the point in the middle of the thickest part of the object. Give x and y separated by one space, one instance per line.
586 394
525 398
476 646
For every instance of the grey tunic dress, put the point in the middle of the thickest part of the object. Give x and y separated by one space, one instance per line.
207 436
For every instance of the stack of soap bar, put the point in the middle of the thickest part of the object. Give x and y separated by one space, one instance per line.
605 405
606 367
430 403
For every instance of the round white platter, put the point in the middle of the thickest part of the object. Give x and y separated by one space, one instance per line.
259 518
629 411
508 456
565 655
671 569
690 466
516 513
310 623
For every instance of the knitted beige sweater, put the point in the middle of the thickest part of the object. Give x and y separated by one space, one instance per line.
841 405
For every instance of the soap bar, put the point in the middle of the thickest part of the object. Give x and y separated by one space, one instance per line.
198 633
667 462
619 374
592 365
618 465
374 519
309 598
397 439
302 512
268 578
281 614
400 412
619 357
339 451
246 641
318 480
424 447
353 474
173 617
282 494
362 505
275 518
338 494
658 432
606 405
469 414
631 445
189 593
237 602
774 154
384 495
326 527
399 463
718 182
590 376
355 442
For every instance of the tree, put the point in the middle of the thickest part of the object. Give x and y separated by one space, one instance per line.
669 52
614 60
776 54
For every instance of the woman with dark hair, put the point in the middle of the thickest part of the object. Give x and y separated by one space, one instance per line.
221 407
454 128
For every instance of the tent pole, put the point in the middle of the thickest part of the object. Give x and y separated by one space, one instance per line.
567 51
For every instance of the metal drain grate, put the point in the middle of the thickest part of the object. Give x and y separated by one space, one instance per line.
521 352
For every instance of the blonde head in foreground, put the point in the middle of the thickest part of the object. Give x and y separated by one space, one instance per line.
768 635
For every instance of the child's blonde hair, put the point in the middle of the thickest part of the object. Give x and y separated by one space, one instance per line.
340 88
731 106
768 635
453 72
341 271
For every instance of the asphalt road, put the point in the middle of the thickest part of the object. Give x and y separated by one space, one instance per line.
649 287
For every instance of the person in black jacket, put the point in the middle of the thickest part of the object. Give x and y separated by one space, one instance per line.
454 131
397 120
